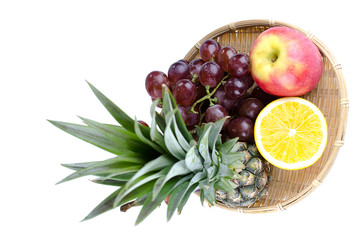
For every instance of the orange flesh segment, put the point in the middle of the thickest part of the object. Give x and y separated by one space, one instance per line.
291 132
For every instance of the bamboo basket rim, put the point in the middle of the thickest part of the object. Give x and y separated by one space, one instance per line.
344 106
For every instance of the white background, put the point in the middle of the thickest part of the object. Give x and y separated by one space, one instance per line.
47 51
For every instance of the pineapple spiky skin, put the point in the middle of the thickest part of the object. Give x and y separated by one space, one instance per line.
253 182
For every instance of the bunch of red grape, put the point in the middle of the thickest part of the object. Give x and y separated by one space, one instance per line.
214 86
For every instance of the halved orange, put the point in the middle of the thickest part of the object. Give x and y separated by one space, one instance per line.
291 133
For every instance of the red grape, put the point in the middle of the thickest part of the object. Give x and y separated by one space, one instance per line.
201 91
195 66
209 49
184 92
241 127
251 108
154 82
179 70
143 123
215 113
239 65
224 100
248 79
263 96
183 60
224 56
191 119
235 87
211 74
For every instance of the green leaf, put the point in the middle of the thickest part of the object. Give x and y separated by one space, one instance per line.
159 163
229 158
137 129
194 183
109 182
117 177
155 135
218 141
90 135
119 115
121 177
213 136
176 198
108 203
193 160
128 140
169 105
186 197
215 132
203 147
224 185
151 204
138 192
153 122
141 181
211 172
171 142
209 191
117 165
78 166
227 146
178 169
237 165
161 122
180 138
104 206
202 196
224 171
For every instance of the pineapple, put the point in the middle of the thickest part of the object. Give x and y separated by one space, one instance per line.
152 163
253 182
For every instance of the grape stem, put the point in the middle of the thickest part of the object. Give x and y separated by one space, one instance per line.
194 78
209 94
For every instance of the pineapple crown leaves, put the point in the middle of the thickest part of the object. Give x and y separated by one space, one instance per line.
152 163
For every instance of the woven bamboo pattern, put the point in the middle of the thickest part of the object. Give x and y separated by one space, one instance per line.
288 187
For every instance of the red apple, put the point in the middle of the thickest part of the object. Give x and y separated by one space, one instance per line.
284 62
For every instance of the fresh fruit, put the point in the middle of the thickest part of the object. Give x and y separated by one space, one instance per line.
154 82
250 108
195 66
191 119
209 50
143 123
263 96
291 133
284 62
224 100
239 65
242 128
236 87
178 70
185 92
224 56
253 182
152 163
215 113
183 60
211 74
201 91
248 79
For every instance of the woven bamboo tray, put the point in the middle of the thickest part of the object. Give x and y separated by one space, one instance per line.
288 187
